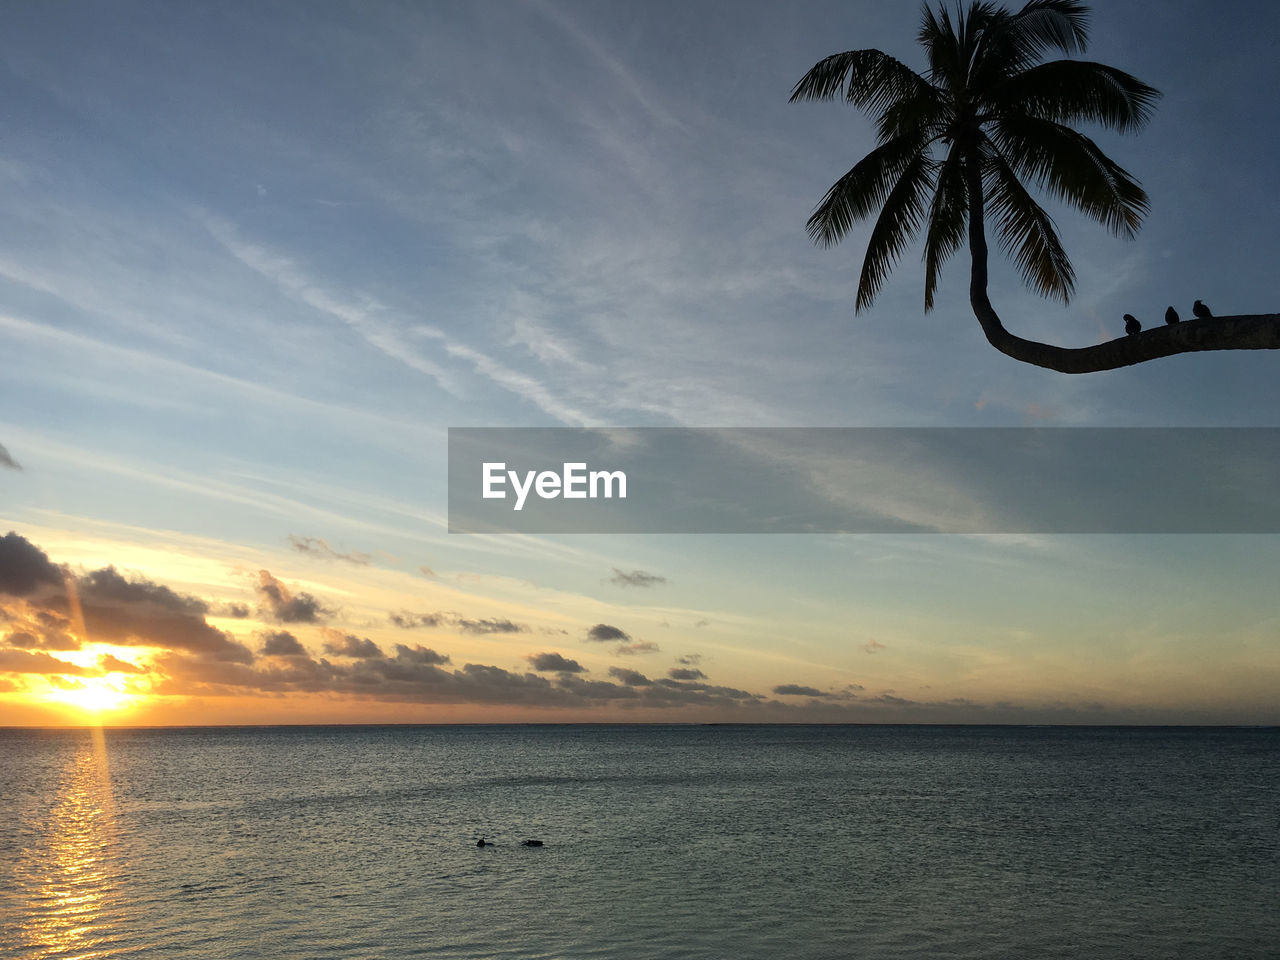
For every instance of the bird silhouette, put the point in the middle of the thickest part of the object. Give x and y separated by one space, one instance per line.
1131 324
1171 316
1201 311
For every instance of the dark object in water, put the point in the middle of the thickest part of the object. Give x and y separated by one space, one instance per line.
1131 324
1171 316
1201 311
530 843
482 842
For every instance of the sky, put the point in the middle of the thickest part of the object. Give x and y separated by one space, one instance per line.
257 259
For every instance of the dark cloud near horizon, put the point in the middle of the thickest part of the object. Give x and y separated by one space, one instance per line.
341 644
7 461
688 689
195 659
286 607
686 673
552 662
632 678
129 611
282 643
412 676
420 655
316 547
236 611
796 690
139 612
636 578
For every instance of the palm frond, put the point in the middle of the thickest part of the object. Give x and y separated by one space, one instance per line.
1071 167
1074 91
869 78
859 192
938 37
1044 25
948 214
895 227
924 112
1026 232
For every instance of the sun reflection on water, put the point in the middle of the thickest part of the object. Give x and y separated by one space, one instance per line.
69 878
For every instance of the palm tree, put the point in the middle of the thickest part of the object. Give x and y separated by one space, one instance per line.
963 141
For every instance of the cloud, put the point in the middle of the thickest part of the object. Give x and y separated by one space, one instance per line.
111 664
24 567
696 692
632 678
413 621
637 648
606 633
428 573
686 673
636 578
7 461
554 662
489 626
419 654
282 643
22 661
285 607
315 547
341 644
796 690
690 660
106 606
871 646
186 656
236 611
139 612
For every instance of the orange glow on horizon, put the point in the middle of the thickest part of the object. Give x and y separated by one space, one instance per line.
88 698
93 695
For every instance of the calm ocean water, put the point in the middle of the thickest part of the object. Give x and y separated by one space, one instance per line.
689 842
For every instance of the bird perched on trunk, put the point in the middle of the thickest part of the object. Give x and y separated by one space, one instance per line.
1131 324
1201 311
1171 316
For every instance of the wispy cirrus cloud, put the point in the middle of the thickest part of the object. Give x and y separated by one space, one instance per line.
636 578
7 461
316 547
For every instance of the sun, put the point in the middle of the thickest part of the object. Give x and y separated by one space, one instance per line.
94 695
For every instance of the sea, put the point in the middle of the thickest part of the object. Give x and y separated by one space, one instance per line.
678 841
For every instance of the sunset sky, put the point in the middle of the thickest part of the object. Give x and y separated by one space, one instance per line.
257 259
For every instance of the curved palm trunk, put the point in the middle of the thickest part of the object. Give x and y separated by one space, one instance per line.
1243 332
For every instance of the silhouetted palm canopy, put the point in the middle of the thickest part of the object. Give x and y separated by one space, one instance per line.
990 118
